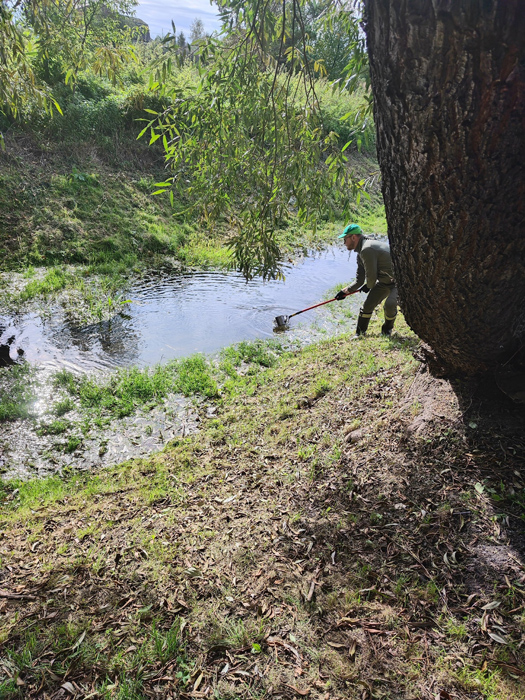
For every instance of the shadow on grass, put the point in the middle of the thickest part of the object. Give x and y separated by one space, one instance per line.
424 524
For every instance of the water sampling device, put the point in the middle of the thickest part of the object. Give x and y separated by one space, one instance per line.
282 321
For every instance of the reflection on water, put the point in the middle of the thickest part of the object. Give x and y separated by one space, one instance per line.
176 315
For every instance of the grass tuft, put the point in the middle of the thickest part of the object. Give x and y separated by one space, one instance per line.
16 392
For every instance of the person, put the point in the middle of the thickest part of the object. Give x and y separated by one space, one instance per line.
374 276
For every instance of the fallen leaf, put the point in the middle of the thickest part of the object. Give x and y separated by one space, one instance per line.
79 640
347 621
14 596
443 695
272 641
497 638
365 684
230 499
198 682
297 690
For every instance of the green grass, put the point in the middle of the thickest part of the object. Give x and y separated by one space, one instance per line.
193 377
63 406
72 443
54 281
125 390
129 389
371 217
258 352
16 392
204 251
41 491
56 427
98 221
118 675
66 380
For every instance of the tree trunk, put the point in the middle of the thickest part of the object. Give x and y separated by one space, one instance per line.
448 78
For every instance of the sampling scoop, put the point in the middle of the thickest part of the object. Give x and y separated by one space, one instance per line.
282 321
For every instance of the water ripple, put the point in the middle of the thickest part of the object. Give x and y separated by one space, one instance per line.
178 314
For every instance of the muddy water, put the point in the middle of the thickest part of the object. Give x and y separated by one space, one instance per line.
178 314
169 316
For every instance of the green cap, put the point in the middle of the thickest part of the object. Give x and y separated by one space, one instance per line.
351 230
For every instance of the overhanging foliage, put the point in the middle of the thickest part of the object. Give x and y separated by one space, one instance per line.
44 42
249 143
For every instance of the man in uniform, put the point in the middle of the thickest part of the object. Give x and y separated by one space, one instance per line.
374 276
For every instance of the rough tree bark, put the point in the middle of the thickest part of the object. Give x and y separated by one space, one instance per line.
448 79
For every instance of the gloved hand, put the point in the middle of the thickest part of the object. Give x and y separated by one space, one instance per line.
365 289
341 295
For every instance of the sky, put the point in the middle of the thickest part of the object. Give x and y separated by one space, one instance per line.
159 13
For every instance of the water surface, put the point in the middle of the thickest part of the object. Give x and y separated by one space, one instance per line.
178 314
170 315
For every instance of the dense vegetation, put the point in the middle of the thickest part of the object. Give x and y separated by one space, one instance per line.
105 80
77 186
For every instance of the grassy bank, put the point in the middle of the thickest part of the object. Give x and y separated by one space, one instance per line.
78 221
321 536
68 410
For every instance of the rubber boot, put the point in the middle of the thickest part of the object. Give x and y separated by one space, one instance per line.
362 323
388 325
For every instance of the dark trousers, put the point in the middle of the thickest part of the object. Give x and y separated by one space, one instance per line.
375 296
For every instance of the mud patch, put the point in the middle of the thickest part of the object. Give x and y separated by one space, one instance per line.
432 400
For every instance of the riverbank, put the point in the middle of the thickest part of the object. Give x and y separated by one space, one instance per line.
86 396
341 526
79 221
